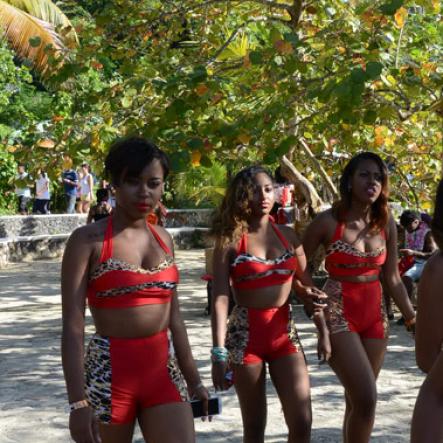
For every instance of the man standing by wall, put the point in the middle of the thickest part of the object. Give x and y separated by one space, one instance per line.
418 247
22 190
70 183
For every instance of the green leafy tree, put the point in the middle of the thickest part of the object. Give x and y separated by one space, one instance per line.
257 80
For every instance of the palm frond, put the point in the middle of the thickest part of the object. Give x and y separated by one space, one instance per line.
19 27
47 11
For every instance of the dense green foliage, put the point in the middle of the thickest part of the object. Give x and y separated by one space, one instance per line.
250 81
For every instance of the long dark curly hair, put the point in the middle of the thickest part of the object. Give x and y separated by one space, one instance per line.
231 218
437 219
379 209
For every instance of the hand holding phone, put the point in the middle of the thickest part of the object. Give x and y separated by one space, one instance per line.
214 407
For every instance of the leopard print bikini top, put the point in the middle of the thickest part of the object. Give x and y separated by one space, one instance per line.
343 259
251 272
118 284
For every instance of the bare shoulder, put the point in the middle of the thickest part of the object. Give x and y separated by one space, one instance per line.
290 234
165 236
89 234
434 267
225 252
323 223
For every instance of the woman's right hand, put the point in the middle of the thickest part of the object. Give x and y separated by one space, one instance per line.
219 369
84 426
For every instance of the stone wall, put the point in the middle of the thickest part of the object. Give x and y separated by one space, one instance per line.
26 238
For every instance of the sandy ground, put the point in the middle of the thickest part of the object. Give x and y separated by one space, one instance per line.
32 392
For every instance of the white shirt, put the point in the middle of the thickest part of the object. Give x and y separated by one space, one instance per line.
23 192
85 189
42 189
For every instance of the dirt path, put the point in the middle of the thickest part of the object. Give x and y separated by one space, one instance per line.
32 392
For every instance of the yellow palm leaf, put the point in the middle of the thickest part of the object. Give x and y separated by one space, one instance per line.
19 27
47 11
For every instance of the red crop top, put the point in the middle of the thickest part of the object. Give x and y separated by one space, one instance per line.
251 272
118 284
343 259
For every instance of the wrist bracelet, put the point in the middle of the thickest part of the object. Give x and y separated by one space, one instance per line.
219 354
78 405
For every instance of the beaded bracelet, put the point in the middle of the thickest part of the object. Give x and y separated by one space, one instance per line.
219 354
77 405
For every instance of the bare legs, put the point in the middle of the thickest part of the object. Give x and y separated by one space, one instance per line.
169 423
290 377
427 421
291 380
357 363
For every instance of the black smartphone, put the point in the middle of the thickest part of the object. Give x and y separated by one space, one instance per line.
214 407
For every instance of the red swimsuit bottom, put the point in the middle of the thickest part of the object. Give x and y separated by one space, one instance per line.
125 375
355 306
256 335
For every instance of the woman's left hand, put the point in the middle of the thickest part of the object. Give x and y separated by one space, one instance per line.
200 392
324 349
313 297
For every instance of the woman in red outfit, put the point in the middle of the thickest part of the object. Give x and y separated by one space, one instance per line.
427 422
262 262
124 269
360 238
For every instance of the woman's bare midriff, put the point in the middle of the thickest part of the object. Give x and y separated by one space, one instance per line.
264 298
138 321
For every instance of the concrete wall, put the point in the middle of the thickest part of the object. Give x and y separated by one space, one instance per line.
26 238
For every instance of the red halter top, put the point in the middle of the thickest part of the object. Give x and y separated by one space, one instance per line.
118 284
251 272
343 259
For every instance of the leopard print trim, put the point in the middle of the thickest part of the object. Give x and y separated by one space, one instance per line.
128 289
237 335
341 246
384 316
292 331
114 264
175 373
335 316
245 257
98 375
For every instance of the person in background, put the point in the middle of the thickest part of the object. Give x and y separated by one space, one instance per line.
284 199
101 209
22 190
418 247
42 193
86 188
70 181
427 420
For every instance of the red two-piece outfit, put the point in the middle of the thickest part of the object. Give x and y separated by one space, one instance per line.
355 306
256 335
124 375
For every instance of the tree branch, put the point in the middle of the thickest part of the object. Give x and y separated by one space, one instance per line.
320 169
303 185
295 12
